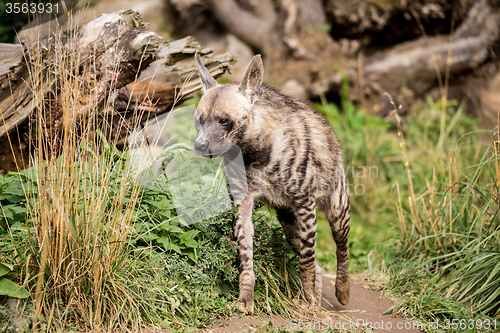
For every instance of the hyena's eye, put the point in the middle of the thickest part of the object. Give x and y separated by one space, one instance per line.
224 122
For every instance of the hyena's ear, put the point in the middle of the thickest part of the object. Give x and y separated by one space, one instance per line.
207 81
250 85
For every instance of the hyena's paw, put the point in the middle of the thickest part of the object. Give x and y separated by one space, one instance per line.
245 303
304 304
307 297
342 291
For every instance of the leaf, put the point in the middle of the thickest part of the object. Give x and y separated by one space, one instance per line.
134 218
14 192
208 178
187 239
4 269
168 245
191 234
191 243
149 237
17 227
191 253
14 212
164 204
164 241
183 223
7 214
198 205
188 193
9 288
189 211
173 229
152 203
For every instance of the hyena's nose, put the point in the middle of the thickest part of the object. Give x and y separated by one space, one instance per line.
200 144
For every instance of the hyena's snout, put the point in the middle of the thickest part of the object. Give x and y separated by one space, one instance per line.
209 143
201 144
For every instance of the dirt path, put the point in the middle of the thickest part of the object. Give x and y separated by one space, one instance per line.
365 306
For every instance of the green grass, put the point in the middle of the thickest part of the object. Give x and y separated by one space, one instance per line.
375 164
96 250
429 214
167 274
450 234
135 254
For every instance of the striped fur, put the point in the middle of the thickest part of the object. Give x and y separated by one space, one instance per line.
293 163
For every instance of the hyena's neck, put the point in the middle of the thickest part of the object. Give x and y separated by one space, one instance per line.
256 155
271 115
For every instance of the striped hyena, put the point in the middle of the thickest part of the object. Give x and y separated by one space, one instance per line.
293 163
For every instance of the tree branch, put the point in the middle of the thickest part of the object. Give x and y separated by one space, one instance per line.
418 64
264 10
252 30
312 13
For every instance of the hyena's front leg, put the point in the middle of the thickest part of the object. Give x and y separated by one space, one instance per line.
243 231
306 214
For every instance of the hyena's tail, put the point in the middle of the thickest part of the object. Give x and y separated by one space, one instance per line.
338 213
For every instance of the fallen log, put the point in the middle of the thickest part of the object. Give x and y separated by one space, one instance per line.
113 67
412 68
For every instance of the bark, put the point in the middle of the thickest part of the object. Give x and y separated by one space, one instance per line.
384 23
250 28
115 65
411 69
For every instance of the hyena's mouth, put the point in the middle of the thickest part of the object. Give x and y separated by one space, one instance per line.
212 152
208 153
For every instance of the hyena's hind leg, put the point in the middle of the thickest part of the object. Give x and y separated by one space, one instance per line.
288 221
338 213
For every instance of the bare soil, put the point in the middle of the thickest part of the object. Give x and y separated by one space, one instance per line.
365 306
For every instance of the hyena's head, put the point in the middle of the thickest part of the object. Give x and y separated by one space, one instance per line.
224 112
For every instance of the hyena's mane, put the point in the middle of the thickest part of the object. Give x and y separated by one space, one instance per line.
273 97
300 120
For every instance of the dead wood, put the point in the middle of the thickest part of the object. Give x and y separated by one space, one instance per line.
384 23
411 69
284 32
120 67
